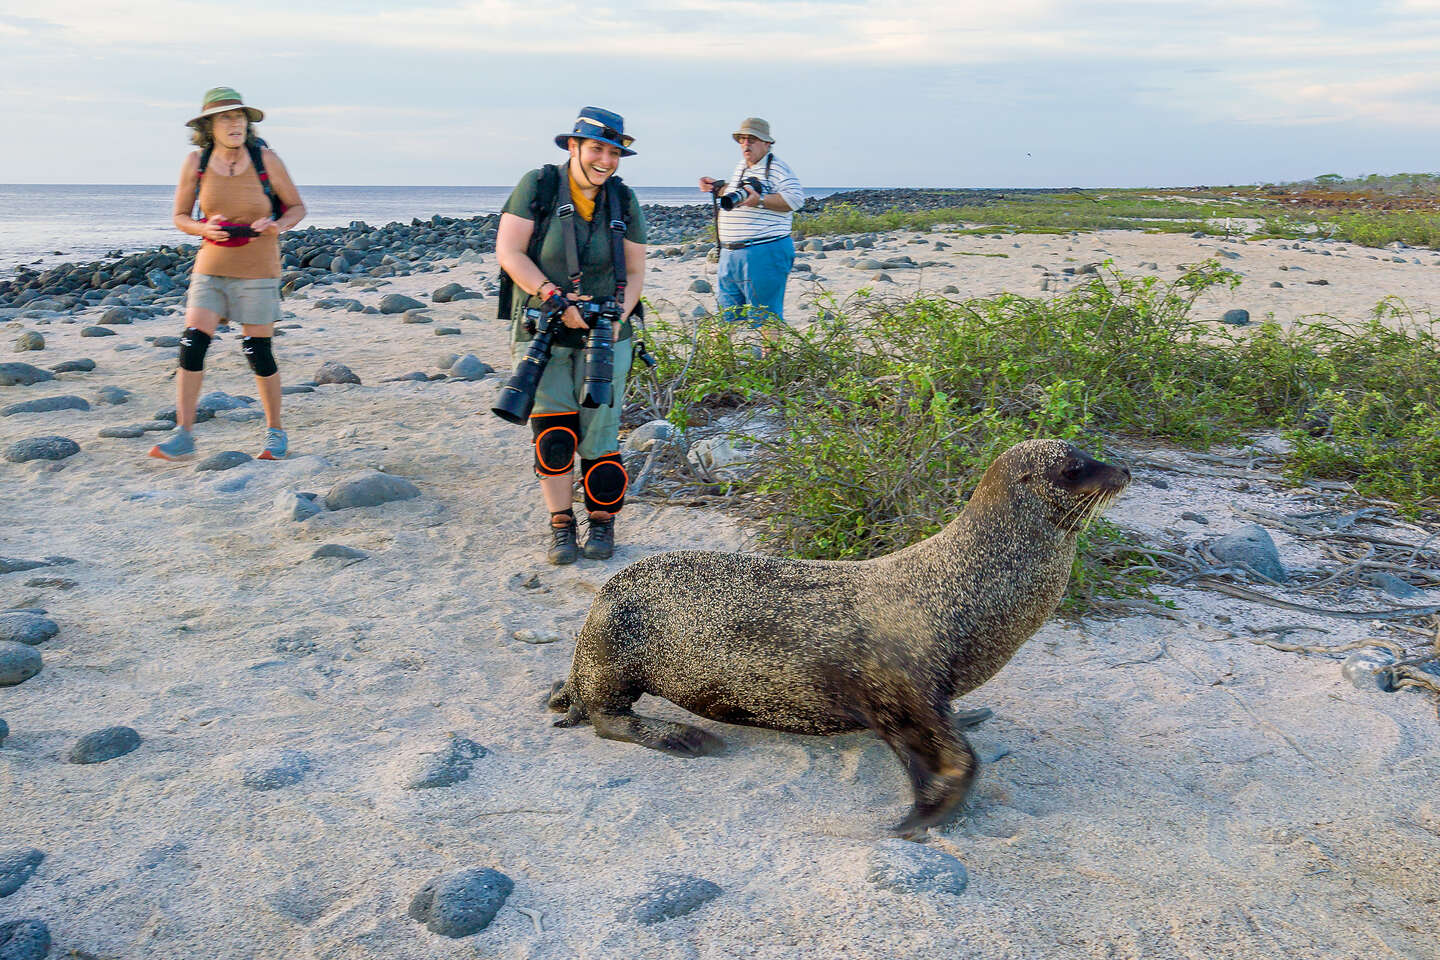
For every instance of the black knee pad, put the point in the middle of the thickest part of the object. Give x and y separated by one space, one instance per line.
556 436
193 344
605 481
259 356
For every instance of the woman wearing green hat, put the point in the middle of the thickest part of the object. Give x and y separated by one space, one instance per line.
246 199
557 239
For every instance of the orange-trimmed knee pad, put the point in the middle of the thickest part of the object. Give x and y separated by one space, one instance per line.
556 436
605 481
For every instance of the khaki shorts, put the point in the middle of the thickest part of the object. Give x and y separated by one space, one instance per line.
238 300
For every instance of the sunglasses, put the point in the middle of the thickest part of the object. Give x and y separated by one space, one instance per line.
598 131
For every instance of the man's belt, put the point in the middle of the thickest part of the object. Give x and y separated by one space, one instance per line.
742 244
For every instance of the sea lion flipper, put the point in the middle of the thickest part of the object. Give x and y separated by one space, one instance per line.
558 697
942 769
676 739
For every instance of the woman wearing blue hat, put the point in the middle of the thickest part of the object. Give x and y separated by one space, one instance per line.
561 232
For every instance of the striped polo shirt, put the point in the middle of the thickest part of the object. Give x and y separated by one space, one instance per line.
754 223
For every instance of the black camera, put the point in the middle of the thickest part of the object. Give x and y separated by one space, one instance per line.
517 398
601 317
239 231
729 197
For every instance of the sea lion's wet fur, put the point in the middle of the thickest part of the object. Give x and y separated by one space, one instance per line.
823 647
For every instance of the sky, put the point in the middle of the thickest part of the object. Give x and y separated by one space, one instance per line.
1023 93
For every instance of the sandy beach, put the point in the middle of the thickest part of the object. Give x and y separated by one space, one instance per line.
1151 787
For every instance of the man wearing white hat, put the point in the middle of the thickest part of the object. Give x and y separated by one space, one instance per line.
756 250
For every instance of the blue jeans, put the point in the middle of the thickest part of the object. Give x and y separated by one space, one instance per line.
754 278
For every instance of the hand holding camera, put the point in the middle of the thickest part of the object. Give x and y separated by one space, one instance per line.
731 197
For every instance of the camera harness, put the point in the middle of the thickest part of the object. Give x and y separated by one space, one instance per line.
542 207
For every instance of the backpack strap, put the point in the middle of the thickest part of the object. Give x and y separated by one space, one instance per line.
204 162
258 161
547 185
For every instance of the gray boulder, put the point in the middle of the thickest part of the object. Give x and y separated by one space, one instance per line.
673 895
290 505
907 867
643 437
470 367
102 745
444 767
96 332
1392 585
447 293
26 628
17 866
224 460
337 551
121 433
340 303
82 365
1236 318
116 316
269 769
24 940
218 400
115 396
462 903
46 405
1251 545
41 448
332 371
398 303
29 340
22 374
701 286
18 663
369 489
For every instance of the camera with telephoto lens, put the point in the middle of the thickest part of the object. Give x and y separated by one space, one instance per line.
730 198
517 398
600 316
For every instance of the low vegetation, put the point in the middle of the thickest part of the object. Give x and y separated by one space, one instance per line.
874 422
1373 211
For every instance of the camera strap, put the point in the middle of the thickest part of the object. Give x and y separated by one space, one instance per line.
616 192
565 213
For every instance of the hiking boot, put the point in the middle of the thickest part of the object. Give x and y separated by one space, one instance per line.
562 544
275 444
180 446
600 542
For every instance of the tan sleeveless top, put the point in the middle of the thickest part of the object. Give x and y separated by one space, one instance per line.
237 199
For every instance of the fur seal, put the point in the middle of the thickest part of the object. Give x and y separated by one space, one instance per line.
825 647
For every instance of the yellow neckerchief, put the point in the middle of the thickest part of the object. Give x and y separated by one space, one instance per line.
585 206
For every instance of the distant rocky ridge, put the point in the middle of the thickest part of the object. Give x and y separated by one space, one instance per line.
316 255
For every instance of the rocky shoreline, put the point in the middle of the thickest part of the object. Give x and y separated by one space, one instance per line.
314 255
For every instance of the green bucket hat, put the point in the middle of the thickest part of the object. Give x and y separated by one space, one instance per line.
220 99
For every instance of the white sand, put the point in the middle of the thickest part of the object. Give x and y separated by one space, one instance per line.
1169 791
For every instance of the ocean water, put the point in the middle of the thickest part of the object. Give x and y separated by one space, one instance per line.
45 224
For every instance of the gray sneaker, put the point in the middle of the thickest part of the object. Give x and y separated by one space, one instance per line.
275 445
180 446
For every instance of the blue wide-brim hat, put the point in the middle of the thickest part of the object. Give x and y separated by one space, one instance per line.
595 123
